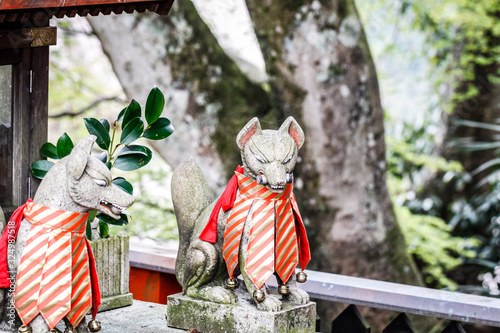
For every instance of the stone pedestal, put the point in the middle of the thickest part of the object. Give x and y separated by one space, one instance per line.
187 313
112 265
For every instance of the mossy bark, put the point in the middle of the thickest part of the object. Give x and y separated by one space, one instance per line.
321 72
208 98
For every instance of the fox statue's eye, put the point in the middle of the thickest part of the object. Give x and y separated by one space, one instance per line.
100 182
259 158
288 159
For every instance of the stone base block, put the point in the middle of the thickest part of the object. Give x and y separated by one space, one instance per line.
187 313
114 302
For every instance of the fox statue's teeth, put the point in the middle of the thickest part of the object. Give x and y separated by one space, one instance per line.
115 209
277 187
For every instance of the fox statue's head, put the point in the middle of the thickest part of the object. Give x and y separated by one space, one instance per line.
80 182
269 156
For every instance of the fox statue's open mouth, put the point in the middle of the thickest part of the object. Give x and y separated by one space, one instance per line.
113 209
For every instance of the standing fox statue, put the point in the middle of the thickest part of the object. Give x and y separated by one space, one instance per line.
56 277
254 229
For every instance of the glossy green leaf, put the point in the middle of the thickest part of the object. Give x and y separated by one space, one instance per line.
109 165
96 128
103 156
132 131
105 123
64 145
88 230
92 215
49 150
109 220
154 105
131 112
120 115
40 168
103 229
133 161
132 149
161 129
124 185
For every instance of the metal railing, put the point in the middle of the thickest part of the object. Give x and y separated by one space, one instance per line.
363 292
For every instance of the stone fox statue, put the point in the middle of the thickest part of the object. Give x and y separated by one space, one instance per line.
254 228
56 277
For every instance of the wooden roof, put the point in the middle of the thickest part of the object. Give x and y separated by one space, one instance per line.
24 10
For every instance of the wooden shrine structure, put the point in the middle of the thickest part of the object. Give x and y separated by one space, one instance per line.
25 37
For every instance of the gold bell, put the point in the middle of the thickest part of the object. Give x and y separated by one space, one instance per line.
54 330
301 277
231 283
94 325
283 289
70 330
259 295
24 329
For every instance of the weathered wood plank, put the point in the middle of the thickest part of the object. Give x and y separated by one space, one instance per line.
23 38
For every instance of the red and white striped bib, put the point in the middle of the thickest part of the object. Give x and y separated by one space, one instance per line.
54 276
276 233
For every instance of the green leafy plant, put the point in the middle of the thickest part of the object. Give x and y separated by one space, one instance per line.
117 152
429 239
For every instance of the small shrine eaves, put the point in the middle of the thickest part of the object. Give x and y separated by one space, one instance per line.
21 11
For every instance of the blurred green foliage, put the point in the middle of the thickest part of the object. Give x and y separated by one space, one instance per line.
429 238
464 34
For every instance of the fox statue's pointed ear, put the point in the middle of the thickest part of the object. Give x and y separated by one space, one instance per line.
250 129
291 127
77 160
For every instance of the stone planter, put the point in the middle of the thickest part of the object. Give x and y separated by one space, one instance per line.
112 265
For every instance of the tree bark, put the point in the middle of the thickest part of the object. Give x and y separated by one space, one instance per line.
321 72
208 99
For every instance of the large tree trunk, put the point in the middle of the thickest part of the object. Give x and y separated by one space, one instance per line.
322 73
208 98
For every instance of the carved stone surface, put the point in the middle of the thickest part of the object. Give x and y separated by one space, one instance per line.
113 269
207 317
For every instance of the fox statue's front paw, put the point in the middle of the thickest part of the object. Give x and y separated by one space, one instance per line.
298 295
221 295
270 303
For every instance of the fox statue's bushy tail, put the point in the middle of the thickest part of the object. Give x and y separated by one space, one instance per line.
199 268
190 195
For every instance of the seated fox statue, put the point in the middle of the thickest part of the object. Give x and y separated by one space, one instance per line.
253 229
56 277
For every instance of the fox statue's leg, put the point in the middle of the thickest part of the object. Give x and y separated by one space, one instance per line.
295 294
202 264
